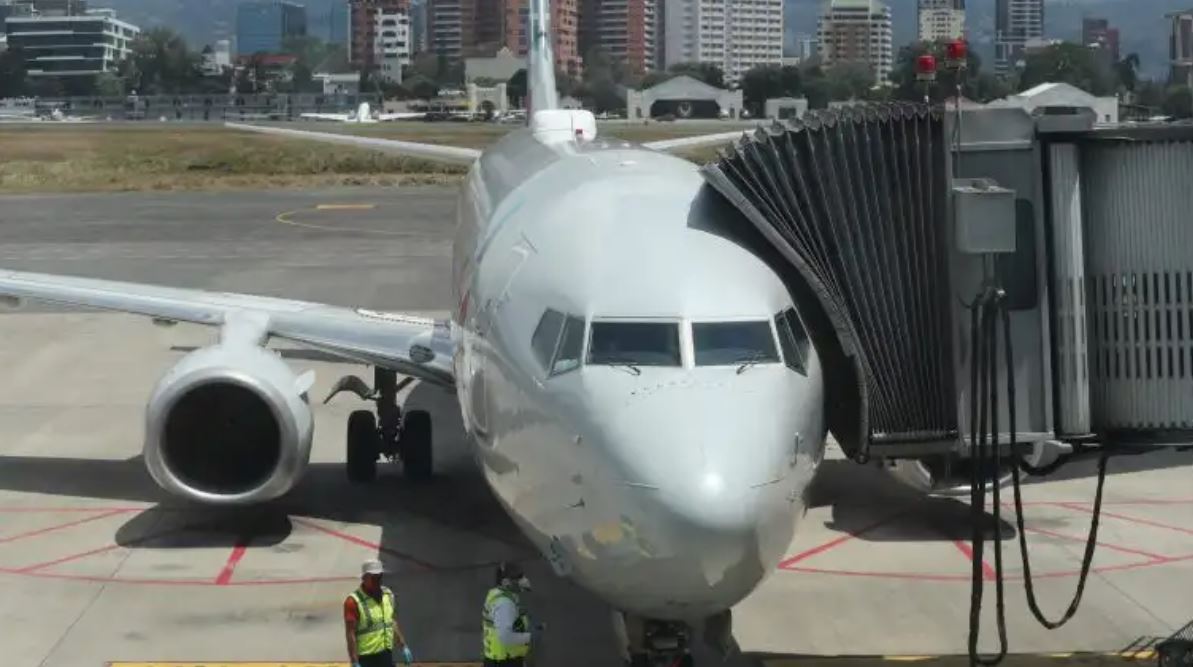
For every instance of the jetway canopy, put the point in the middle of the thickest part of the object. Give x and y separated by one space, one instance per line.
856 208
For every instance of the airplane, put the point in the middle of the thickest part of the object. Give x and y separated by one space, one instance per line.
363 114
649 424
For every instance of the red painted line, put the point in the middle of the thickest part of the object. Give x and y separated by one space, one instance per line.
73 510
987 572
831 544
363 542
225 575
69 524
1104 545
67 559
1132 519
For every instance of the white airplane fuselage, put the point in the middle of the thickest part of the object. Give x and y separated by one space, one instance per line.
669 491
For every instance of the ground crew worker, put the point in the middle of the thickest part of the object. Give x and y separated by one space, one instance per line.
370 622
506 626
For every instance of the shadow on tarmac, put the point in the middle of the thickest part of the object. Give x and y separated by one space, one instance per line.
440 539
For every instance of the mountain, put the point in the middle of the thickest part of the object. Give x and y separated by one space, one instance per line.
1141 24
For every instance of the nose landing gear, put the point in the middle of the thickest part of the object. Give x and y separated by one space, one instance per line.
654 643
391 433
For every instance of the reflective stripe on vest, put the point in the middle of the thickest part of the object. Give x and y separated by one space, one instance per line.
494 649
375 625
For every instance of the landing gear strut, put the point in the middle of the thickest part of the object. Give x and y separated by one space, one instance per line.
391 433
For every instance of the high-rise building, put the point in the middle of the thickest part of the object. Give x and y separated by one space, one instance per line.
857 31
1097 33
627 30
941 20
462 28
735 36
418 26
338 23
1181 47
391 43
1016 23
367 20
65 46
262 26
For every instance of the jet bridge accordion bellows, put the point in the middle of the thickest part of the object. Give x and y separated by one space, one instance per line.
853 203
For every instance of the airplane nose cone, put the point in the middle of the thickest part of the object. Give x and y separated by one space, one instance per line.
715 487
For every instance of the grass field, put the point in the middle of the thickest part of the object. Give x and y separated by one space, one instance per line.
111 157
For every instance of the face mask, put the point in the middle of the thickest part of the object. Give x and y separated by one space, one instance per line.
524 584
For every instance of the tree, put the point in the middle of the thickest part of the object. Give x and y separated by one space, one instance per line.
422 87
1067 63
1127 71
850 80
764 82
109 85
12 73
975 84
706 72
161 63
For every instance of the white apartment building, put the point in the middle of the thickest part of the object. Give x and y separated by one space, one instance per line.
736 35
857 31
71 45
941 20
392 44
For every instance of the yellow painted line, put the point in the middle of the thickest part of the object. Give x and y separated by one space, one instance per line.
1060 655
345 207
1147 654
906 658
286 218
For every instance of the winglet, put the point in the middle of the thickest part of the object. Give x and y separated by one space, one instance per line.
541 60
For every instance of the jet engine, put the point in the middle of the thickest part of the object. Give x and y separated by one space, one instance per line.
229 424
945 475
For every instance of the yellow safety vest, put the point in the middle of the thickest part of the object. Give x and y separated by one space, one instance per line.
494 649
375 625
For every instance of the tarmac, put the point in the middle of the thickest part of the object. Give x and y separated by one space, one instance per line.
98 566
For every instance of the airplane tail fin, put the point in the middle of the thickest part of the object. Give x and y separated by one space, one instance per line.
541 60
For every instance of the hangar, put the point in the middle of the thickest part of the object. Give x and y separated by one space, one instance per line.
683 97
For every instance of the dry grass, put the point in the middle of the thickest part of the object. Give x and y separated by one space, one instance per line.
90 158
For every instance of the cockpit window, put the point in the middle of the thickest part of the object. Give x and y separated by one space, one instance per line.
558 341
794 340
571 346
733 343
634 344
546 336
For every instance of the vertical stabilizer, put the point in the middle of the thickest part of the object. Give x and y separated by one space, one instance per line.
541 60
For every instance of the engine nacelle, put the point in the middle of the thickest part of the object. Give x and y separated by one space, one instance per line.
939 475
229 424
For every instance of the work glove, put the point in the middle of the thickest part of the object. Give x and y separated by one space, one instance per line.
407 656
356 664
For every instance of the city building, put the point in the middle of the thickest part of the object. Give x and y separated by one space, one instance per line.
391 43
857 31
418 27
941 20
464 28
624 29
1181 47
67 46
262 26
338 26
1016 22
368 19
806 47
1097 33
735 36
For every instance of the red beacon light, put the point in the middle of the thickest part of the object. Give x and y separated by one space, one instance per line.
956 53
925 67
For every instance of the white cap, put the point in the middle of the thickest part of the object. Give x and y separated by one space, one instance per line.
372 567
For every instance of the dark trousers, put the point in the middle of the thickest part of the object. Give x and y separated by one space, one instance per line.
382 659
512 662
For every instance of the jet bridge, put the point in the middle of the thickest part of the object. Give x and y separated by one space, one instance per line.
887 220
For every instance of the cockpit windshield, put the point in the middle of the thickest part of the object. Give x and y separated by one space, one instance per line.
634 344
732 343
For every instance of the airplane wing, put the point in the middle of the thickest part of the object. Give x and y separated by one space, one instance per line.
415 346
448 154
342 117
701 141
401 116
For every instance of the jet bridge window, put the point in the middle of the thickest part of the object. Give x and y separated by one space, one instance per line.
793 338
558 341
733 343
634 344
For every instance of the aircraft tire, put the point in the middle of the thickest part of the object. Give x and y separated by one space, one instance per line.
416 445
362 446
